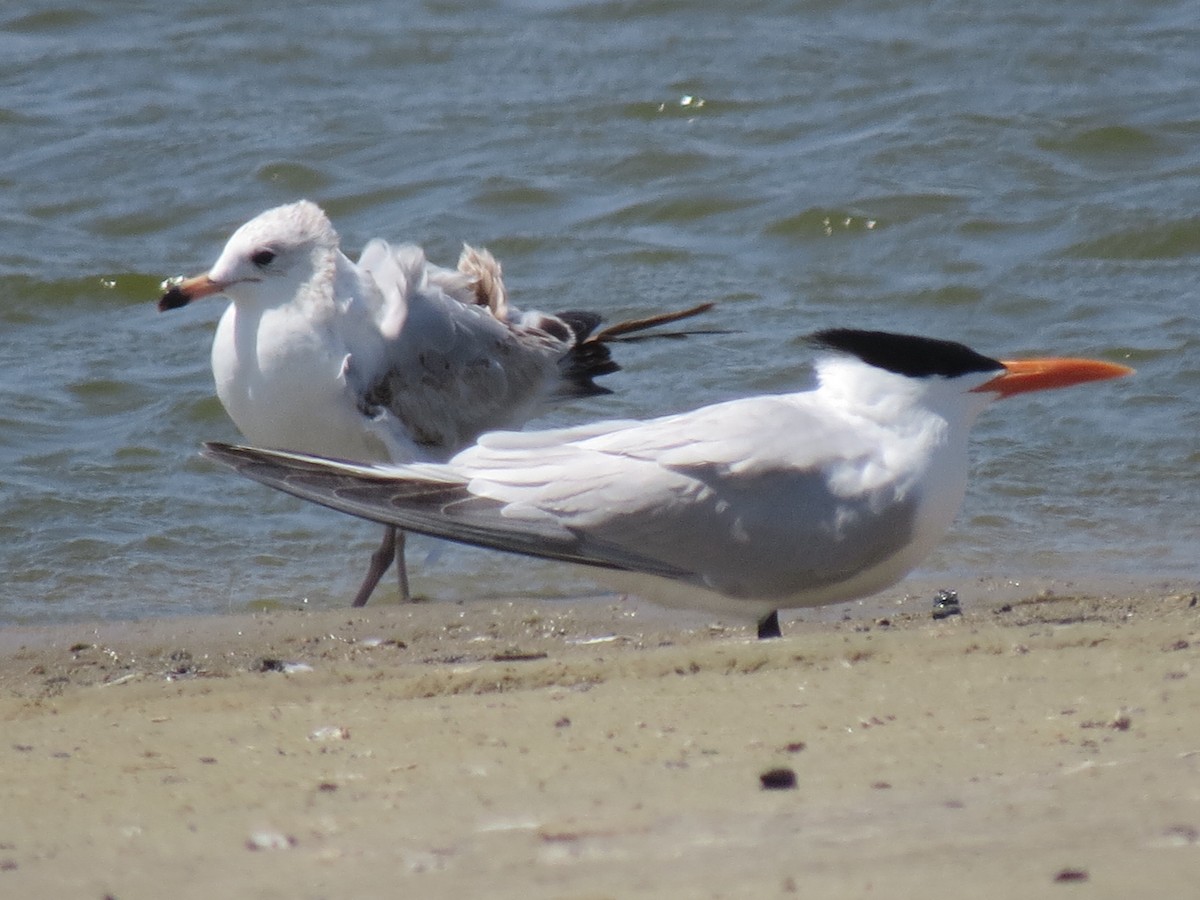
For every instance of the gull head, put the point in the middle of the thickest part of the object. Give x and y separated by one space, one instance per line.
267 261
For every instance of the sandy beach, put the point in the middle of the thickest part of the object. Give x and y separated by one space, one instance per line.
1044 746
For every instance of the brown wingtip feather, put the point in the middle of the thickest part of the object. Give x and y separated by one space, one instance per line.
484 269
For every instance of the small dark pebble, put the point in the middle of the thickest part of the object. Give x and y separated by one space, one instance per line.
795 746
1071 875
558 837
269 664
1184 834
945 605
780 779
327 787
518 655
79 648
564 722
208 760
1006 608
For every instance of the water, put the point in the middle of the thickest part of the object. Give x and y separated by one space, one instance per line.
1021 176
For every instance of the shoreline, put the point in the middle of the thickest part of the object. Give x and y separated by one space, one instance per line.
912 593
596 749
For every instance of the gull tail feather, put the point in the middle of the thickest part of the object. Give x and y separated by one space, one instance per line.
591 357
624 331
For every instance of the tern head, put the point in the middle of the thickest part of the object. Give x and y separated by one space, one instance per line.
880 366
267 260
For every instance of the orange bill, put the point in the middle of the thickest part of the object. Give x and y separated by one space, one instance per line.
1023 375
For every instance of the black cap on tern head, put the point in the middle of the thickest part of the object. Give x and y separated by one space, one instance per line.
905 354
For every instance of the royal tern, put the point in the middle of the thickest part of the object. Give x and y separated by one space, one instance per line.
388 359
741 508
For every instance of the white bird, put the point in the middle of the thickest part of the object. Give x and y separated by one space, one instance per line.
745 507
388 359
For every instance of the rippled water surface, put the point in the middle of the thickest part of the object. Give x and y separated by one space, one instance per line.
1021 176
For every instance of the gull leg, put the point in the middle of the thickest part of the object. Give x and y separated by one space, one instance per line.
381 561
768 626
401 566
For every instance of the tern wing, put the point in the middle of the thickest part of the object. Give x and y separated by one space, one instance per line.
731 497
425 499
766 496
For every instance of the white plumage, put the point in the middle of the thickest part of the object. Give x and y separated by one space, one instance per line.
391 358
744 507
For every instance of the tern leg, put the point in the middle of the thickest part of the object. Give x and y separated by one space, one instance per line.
381 560
768 626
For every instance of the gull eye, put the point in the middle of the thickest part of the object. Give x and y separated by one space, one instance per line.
262 258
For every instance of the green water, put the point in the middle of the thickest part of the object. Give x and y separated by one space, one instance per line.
1020 176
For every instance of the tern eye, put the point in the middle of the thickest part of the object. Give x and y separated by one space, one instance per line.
262 258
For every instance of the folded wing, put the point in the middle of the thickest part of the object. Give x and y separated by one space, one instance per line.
729 498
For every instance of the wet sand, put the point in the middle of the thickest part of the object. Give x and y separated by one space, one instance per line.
1043 746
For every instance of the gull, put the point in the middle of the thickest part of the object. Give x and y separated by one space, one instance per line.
742 508
390 359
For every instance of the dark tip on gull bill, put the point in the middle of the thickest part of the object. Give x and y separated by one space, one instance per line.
173 298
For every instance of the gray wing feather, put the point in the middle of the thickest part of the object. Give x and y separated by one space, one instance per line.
741 498
426 502
450 369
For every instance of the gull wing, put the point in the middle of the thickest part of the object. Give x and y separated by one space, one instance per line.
457 360
448 369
